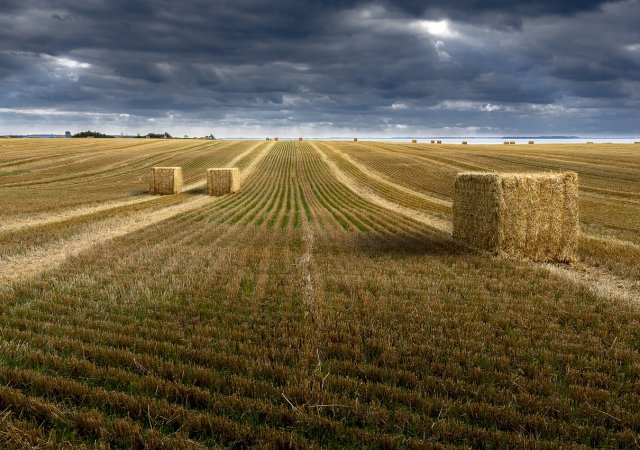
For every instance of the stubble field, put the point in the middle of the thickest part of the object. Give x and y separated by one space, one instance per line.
323 305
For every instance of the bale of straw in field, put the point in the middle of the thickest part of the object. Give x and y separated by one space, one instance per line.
439 142
531 142
165 180
223 181
464 142
299 138
275 138
355 139
518 215
590 142
512 142
433 142
506 142
414 141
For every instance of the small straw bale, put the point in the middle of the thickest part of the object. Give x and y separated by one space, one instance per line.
355 139
414 141
223 181
464 142
275 139
506 142
439 142
165 180
300 139
433 142
531 142
518 215
590 142
512 142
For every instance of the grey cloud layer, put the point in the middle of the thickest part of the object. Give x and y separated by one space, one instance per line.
378 67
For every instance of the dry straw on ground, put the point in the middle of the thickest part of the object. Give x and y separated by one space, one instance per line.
165 180
519 215
223 181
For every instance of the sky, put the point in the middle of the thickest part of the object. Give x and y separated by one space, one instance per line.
258 68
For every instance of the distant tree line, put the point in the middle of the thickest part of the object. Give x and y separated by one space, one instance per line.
157 136
94 134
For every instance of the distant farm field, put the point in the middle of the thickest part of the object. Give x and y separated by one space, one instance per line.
323 305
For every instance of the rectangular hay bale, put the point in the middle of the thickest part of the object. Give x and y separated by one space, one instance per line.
221 181
439 142
414 141
355 139
165 180
518 215
433 142
464 142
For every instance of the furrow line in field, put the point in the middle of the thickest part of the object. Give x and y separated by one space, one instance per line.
362 191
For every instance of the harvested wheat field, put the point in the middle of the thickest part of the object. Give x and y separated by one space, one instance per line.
325 304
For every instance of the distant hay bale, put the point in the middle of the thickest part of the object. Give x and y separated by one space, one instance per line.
414 141
439 142
355 139
433 142
464 142
512 142
590 142
519 215
300 139
165 180
506 142
275 139
531 142
221 181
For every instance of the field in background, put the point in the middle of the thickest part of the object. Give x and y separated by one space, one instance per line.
323 305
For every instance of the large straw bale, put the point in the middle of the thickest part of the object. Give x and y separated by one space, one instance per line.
221 181
165 180
518 215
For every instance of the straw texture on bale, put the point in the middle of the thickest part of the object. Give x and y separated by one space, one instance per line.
165 180
518 215
223 181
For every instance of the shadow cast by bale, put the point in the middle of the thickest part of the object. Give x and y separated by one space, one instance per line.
406 245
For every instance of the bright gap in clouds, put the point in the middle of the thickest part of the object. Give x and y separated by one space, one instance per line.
439 28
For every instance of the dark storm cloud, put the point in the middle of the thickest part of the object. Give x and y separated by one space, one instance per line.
381 66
